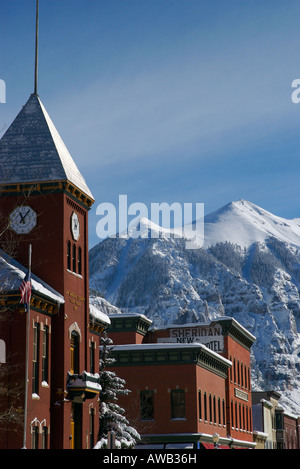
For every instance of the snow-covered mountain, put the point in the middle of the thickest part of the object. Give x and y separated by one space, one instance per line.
244 223
248 268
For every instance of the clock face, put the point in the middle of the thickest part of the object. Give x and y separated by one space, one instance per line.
75 226
22 219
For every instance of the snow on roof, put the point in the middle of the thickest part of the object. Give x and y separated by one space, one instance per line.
130 315
165 346
31 150
99 315
12 273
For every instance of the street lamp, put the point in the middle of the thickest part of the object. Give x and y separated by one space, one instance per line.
216 438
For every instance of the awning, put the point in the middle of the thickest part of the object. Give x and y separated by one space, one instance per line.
207 445
204 445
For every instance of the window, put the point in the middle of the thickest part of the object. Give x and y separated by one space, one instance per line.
35 437
45 355
92 357
215 415
74 258
147 405
245 372
69 255
177 404
92 428
205 406
241 416
36 354
79 262
74 352
200 404
279 420
210 409
45 438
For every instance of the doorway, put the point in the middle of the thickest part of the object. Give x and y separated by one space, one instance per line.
76 426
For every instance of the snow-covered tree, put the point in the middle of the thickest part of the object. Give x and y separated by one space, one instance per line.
112 416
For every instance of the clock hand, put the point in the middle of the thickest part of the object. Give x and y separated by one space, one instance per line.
22 218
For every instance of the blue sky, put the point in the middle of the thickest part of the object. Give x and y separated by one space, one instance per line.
165 100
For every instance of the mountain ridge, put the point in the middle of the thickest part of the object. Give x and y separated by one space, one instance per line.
248 269
266 223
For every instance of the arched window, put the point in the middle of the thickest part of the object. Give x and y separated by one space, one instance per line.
45 355
36 358
75 339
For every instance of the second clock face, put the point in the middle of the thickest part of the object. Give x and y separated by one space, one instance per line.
22 219
75 227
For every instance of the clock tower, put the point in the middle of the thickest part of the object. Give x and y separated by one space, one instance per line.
44 202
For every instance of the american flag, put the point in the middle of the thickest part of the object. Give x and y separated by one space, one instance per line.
25 289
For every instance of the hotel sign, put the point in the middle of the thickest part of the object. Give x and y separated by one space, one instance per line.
210 336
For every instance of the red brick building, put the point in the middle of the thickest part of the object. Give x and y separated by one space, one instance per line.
44 202
291 424
188 382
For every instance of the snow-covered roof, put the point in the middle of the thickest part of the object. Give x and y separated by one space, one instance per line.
99 315
166 346
12 273
31 150
130 315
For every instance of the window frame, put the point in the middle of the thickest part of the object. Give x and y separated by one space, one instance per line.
178 404
147 404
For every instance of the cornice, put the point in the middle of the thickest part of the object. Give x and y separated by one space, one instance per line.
39 303
47 187
156 354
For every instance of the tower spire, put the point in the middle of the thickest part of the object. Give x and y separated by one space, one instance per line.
36 48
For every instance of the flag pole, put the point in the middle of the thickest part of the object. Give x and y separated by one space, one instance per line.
36 48
27 354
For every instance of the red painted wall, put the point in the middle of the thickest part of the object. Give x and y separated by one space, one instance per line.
162 379
239 400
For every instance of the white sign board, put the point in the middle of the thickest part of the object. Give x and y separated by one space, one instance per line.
210 336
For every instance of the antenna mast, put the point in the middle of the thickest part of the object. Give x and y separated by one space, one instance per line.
36 48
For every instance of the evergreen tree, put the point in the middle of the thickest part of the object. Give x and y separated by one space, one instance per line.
112 416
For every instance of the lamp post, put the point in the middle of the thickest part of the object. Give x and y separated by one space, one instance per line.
216 438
